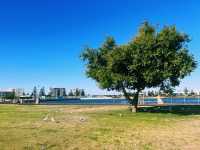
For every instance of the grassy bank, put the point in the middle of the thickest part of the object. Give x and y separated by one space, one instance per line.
95 127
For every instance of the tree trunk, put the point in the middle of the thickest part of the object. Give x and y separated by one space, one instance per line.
135 100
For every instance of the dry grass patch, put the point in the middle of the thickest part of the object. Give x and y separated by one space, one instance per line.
95 127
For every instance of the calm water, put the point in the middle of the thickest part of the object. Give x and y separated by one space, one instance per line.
118 101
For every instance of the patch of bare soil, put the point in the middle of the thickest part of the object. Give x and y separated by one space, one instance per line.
94 108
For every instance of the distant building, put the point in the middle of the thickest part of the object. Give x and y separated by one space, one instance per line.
4 93
19 92
57 92
12 93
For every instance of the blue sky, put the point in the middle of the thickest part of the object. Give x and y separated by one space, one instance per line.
41 40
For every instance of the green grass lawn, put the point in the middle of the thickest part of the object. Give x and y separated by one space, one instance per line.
95 127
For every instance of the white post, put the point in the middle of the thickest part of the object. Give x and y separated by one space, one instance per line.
21 101
37 100
37 96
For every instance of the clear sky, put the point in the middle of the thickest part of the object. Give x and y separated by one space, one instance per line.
41 40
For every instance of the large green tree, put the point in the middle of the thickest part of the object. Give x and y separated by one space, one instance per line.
153 58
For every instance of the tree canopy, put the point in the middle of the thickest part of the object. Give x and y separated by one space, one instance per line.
42 92
153 58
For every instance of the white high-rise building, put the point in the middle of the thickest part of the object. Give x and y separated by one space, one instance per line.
58 92
18 92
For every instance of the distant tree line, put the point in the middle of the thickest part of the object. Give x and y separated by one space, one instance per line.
186 92
189 92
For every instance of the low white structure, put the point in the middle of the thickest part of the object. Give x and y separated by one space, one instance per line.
159 100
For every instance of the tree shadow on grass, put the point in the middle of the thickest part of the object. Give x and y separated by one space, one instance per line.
174 109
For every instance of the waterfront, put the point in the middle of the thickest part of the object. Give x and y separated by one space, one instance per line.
108 101
146 101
